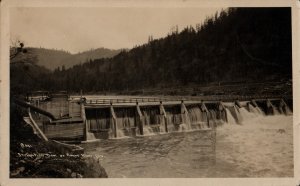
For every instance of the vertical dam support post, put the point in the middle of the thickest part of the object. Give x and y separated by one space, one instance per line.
237 103
185 115
204 109
284 108
233 108
222 109
163 112
113 123
238 106
270 107
182 111
88 136
86 127
254 104
140 119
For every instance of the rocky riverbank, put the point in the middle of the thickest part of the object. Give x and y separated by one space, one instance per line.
30 157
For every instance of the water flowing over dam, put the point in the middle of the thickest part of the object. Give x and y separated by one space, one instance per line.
214 139
121 120
185 138
129 117
95 118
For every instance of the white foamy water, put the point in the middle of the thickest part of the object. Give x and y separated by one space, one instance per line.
230 119
276 112
148 131
183 127
120 133
255 110
246 115
261 147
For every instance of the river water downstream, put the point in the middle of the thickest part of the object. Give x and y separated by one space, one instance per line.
261 146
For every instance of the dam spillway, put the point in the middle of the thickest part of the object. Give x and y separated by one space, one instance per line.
133 118
88 119
190 135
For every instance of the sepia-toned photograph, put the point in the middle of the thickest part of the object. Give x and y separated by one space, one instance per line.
150 92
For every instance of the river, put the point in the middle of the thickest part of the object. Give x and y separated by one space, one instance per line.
261 146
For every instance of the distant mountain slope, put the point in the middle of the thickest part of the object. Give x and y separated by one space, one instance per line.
243 45
51 59
236 45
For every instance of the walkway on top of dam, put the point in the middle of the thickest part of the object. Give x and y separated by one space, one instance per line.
103 101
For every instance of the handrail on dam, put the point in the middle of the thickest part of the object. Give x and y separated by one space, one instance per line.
189 98
134 116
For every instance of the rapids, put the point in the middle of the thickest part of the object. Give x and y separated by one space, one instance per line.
260 146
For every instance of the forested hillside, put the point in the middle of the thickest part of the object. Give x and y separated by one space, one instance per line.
236 45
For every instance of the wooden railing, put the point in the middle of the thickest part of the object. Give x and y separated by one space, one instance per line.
179 98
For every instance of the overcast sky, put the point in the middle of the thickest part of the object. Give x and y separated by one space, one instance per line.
80 29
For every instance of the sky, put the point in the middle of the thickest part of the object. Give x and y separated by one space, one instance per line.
77 29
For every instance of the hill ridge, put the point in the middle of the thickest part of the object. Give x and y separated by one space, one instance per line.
54 58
